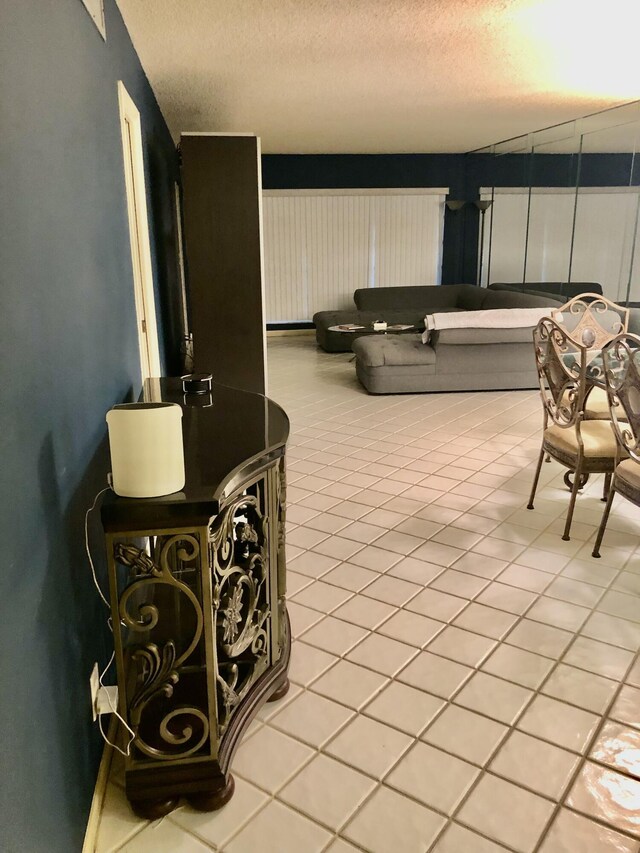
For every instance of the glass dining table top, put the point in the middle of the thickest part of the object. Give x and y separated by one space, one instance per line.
595 368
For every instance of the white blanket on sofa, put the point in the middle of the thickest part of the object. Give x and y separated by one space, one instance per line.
497 318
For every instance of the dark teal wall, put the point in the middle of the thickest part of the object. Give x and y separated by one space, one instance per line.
68 352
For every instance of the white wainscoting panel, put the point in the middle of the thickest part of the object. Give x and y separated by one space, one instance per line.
320 246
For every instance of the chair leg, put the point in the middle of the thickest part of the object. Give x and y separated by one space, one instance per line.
607 487
535 479
577 478
603 523
547 458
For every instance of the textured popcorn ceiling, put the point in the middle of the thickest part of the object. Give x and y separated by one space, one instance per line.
383 75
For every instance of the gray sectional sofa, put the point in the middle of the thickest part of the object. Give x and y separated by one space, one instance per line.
409 305
454 359
465 359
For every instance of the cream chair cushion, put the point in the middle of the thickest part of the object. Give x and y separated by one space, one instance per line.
629 471
597 436
596 405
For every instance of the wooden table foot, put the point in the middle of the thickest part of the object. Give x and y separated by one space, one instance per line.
210 801
154 809
279 692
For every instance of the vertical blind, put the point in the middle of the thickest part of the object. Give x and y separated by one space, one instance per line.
534 237
320 246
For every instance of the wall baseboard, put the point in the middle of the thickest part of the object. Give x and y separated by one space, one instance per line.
281 333
93 822
298 324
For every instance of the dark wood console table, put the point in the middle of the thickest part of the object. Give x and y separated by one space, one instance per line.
197 585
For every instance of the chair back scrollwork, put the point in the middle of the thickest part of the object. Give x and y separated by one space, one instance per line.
621 364
561 365
592 320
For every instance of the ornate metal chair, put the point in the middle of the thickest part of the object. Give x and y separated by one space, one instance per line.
621 363
592 321
582 446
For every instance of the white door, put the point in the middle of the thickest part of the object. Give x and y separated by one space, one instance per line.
139 233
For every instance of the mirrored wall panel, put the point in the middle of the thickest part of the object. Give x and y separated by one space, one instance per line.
566 208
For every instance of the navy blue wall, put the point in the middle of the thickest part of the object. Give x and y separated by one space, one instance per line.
464 174
68 352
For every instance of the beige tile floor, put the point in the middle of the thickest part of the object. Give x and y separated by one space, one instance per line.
463 681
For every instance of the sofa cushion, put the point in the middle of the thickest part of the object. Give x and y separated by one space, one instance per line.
491 359
471 298
565 290
394 351
558 297
514 299
419 297
459 337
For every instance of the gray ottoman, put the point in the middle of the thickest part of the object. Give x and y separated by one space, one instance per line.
392 364
471 359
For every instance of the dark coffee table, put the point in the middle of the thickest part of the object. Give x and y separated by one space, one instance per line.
356 330
367 329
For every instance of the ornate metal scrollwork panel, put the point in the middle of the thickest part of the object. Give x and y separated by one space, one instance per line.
165 705
281 503
560 371
239 561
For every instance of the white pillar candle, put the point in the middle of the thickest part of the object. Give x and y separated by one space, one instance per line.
147 454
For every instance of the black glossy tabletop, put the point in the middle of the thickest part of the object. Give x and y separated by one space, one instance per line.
225 433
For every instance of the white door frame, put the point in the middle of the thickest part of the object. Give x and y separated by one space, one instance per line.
139 233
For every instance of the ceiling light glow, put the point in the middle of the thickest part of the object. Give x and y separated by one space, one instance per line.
582 48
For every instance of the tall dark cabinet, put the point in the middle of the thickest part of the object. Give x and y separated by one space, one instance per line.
221 181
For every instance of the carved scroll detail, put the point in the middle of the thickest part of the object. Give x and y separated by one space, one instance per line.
183 729
281 503
149 574
180 744
239 563
157 676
